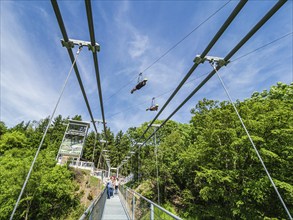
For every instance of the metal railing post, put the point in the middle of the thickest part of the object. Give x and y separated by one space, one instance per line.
125 192
152 212
133 207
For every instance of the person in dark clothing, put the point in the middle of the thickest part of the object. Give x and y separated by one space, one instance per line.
153 108
109 189
139 85
116 185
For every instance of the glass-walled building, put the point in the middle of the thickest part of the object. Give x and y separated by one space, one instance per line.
73 141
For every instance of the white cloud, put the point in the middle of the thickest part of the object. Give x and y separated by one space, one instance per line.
27 88
138 46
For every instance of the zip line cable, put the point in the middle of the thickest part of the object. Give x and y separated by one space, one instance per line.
160 95
198 77
286 35
252 143
108 98
171 48
69 50
44 135
180 41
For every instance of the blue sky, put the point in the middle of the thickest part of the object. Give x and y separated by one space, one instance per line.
132 35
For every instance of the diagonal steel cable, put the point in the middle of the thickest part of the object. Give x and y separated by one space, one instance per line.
253 145
44 135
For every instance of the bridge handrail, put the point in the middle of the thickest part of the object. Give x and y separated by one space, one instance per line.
153 204
88 211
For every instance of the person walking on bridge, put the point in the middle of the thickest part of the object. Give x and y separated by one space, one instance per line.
116 185
109 189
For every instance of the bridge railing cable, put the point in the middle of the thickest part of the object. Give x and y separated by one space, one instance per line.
139 207
96 208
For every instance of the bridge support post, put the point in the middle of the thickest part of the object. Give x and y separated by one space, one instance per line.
152 212
133 207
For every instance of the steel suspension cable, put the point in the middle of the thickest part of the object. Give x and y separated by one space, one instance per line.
229 20
95 57
44 135
276 7
273 10
69 50
253 145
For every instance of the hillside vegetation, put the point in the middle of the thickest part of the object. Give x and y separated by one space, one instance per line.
207 168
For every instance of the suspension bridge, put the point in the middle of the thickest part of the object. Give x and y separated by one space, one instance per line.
128 204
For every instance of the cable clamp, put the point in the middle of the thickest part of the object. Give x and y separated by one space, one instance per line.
198 59
95 48
218 60
71 42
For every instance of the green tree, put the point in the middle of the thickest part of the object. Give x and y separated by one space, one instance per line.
15 139
3 128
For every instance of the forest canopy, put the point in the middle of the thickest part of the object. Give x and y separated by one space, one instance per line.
207 168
